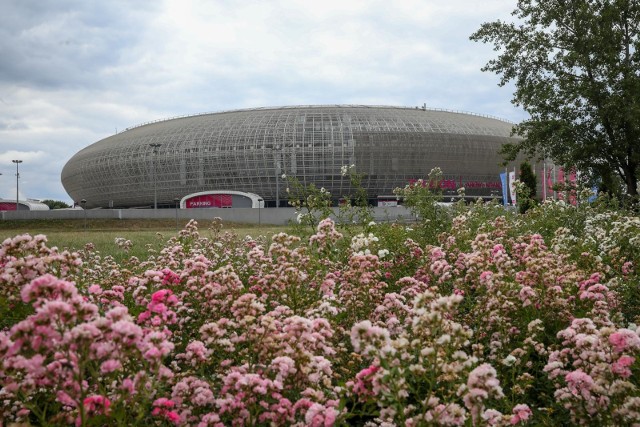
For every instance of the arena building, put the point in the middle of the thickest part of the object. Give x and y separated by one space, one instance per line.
256 150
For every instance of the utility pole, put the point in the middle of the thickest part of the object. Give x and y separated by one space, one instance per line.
17 162
155 180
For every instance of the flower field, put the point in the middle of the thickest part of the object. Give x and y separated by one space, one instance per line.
470 316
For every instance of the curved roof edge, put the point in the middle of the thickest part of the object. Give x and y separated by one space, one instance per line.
33 205
292 107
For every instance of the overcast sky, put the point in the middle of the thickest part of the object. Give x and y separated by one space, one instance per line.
73 72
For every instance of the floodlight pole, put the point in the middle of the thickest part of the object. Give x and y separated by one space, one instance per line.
83 202
278 170
277 190
175 201
17 162
155 181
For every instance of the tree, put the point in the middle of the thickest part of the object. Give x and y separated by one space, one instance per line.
55 204
528 179
576 69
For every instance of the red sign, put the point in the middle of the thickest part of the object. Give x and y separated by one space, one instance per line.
210 201
6 206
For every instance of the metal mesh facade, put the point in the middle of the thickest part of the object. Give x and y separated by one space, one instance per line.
248 150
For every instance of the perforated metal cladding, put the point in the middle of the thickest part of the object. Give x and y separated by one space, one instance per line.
247 150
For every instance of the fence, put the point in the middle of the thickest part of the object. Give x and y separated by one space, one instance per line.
272 216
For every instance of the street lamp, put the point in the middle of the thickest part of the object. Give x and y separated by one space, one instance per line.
83 202
155 183
175 201
17 162
278 169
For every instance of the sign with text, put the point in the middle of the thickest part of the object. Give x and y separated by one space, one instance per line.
451 184
210 201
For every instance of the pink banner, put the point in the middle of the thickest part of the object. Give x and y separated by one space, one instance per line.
210 201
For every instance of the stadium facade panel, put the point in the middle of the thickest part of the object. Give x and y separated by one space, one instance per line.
250 151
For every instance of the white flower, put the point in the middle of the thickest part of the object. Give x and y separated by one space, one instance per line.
444 339
383 253
509 360
284 176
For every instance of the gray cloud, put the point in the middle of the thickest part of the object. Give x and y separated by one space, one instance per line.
54 44
73 72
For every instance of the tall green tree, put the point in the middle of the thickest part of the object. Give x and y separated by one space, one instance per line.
576 69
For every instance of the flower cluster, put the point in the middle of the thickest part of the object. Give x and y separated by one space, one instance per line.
495 319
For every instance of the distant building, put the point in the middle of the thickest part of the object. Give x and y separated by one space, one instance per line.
250 150
23 205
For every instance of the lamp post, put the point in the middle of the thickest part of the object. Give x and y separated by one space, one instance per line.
83 203
155 183
175 201
17 162
278 170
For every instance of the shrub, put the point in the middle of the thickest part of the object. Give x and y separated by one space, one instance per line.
490 318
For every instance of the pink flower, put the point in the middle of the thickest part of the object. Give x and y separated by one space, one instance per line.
95 289
97 404
48 287
364 384
623 339
162 408
579 383
486 276
163 402
621 366
110 366
521 413
94 405
492 417
320 416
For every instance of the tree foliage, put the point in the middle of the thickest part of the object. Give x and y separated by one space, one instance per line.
526 200
576 69
528 178
55 204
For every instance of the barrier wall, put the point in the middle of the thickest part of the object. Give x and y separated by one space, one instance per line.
272 216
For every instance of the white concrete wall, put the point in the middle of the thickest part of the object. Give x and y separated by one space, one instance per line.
280 216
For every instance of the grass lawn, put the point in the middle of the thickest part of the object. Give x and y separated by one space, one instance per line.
144 234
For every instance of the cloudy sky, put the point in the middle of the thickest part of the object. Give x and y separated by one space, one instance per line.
75 71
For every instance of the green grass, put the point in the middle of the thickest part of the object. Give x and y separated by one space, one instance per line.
144 234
